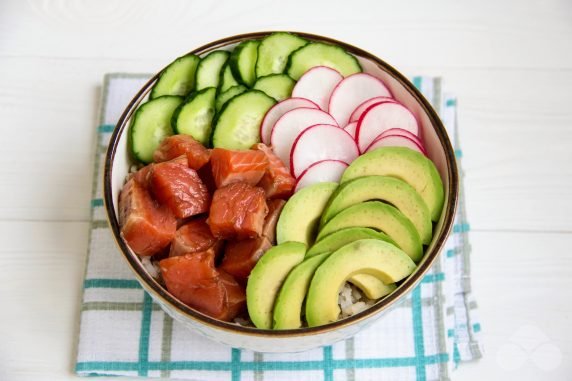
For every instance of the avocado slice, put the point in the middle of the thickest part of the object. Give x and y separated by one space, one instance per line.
371 286
389 189
405 164
288 307
380 216
301 214
370 256
342 237
266 279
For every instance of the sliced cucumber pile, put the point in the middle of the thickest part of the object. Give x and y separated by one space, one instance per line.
178 78
278 86
227 80
243 62
238 125
151 123
319 54
194 116
210 67
224 97
274 50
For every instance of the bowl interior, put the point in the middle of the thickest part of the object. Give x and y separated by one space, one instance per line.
437 144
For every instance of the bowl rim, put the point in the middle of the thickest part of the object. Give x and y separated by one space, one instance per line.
153 287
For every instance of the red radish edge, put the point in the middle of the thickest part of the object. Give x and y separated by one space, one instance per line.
315 164
355 116
390 95
397 136
302 133
262 125
358 128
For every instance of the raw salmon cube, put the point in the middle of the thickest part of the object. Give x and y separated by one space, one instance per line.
240 257
237 166
180 188
237 211
142 175
193 237
177 145
277 181
193 279
147 227
206 175
274 210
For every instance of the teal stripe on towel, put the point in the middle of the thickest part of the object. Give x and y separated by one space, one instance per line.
105 128
111 283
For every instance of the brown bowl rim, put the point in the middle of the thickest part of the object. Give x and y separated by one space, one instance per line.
159 292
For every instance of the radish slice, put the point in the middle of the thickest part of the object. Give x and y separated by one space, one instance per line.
277 111
351 129
395 141
317 85
321 171
353 91
321 142
381 117
289 126
365 105
402 132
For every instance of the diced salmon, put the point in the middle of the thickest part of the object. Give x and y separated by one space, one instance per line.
277 181
193 237
177 145
206 175
142 175
180 188
237 212
237 166
193 279
147 227
240 257
274 210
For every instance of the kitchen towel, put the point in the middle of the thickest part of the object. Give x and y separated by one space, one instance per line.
124 333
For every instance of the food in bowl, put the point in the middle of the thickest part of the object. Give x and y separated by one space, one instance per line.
278 185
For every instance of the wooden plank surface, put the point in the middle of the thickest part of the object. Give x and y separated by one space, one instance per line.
510 64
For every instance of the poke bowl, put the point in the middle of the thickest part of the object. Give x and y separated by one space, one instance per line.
279 191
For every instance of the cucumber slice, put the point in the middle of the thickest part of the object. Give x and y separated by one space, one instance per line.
151 123
238 126
227 80
194 117
274 50
228 95
243 62
210 67
178 78
278 86
319 54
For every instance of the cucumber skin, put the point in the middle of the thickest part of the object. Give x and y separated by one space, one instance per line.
205 60
198 59
219 114
178 110
229 99
221 82
289 64
130 143
234 61
273 76
277 34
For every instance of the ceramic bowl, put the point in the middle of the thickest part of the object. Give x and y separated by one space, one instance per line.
439 150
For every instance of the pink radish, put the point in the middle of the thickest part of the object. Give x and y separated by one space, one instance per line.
395 141
321 171
353 91
289 126
321 142
354 117
382 117
351 129
277 111
317 85
401 132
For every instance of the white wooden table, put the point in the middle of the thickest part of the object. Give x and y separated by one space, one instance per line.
509 62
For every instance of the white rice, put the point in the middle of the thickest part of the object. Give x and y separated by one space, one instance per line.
152 267
352 301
